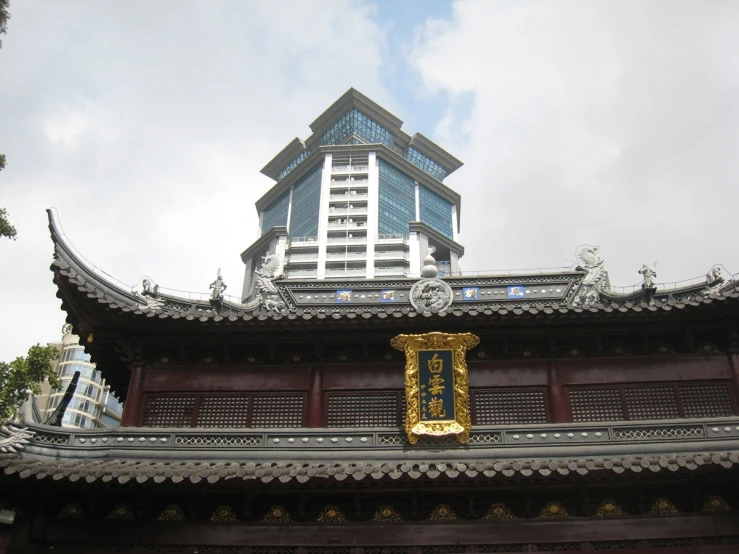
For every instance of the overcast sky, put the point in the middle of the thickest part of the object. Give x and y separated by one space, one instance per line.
146 124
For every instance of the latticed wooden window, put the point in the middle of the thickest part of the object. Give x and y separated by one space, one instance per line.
589 404
502 406
223 411
169 411
655 402
219 410
651 401
712 400
278 410
363 409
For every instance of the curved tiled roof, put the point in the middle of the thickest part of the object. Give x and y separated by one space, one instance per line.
301 454
73 276
123 471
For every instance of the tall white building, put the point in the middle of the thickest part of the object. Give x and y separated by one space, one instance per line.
92 405
359 198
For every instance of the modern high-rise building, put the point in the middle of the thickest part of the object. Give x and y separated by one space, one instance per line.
92 405
359 198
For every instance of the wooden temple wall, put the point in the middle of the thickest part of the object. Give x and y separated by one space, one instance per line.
372 394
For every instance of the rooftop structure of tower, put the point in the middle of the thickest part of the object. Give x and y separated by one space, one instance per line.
359 198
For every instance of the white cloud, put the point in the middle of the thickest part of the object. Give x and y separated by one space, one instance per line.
146 125
614 123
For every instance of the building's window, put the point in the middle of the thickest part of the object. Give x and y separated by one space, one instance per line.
293 164
225 411
86 372
276 214
436 212
114 405
356 123
86 389
306 205
397 202
425 163
509 406
365 409
109 421
77 420
76 354
650 401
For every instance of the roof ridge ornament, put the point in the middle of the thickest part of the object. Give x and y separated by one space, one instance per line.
715 282
648 286
429 270
14 438
595 281
430 294
149 294
267 293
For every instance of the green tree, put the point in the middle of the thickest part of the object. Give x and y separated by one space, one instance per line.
6 229
4 16
26 374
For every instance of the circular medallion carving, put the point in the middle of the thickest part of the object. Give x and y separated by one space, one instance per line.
431 295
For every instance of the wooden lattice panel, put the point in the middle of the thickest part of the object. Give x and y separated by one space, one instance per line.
590 404
278 410
168 411
706 400
653 402
362 410
223 411
517 406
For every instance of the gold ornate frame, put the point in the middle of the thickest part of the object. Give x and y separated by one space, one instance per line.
458 343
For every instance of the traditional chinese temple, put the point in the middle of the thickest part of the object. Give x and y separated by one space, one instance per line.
363 396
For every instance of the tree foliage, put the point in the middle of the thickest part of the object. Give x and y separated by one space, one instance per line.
26 374
6 229
4 16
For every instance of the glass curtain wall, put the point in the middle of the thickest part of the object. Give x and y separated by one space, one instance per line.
436 212
306 205
276 214
397 201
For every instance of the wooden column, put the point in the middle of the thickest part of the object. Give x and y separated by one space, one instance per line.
315 399
556 392
734 364
134 405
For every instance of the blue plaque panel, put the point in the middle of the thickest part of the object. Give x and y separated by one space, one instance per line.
436 385
388 296
516 291
471 293
343 296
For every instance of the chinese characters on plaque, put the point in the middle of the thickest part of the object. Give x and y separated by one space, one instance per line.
436 384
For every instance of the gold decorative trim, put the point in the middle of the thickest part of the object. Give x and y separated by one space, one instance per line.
443 512
223 514
386 514
497 512
716 504
609 508
121 512
71 511
277 514
554 510
457 345
663 506
331 514
171 513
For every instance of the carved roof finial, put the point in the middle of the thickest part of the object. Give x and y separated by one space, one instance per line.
429 270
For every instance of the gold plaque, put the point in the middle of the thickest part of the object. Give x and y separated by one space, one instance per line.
436 384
